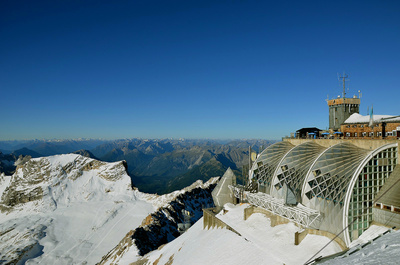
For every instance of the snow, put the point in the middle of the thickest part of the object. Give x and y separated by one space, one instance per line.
358 118
160 201
4 182
84 232
61 160
383 250
259 243
80 218
86 209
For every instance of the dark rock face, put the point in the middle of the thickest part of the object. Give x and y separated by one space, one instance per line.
7 163
12 197
85 153
164 225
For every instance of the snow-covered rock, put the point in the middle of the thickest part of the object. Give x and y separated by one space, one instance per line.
258 243
66 209
161 226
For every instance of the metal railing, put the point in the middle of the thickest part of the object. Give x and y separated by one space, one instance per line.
298 214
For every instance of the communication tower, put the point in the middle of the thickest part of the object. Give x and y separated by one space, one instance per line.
341 108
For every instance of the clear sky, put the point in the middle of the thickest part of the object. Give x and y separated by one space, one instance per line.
191 69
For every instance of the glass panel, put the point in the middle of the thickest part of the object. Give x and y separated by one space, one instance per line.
369 185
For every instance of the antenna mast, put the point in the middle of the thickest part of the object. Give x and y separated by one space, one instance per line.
343 77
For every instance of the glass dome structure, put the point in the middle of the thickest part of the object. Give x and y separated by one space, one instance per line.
264 166
339 182
292 169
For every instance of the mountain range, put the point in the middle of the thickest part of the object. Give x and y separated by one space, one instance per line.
72 209
154 165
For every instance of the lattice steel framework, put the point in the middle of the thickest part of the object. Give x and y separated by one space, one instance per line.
265 165
327 183
293 168
298 214
332 172
336 185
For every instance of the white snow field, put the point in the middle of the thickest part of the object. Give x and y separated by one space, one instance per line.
86 208
259 243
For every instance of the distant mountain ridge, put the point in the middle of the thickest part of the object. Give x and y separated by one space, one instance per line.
51 147
155 165
162 166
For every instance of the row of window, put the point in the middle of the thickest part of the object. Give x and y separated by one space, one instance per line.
361 125
370 134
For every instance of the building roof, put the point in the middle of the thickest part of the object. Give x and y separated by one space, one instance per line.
390 192
309 129
392 119
358 118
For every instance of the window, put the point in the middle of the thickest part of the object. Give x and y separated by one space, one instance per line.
371 134
362 125
364 194
355 126
379 133
348 134
364 134
355 134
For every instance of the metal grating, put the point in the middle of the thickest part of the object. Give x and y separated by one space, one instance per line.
298 214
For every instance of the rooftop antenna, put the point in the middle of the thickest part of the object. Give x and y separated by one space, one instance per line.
343 77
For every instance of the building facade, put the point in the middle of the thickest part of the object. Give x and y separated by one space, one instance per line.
338 181
376 127
340 109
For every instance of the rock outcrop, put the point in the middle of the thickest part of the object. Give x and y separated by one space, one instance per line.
47 200
161 226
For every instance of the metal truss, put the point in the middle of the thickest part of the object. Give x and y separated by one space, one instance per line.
298 214
237 190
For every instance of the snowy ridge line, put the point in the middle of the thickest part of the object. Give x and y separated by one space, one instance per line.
348 252
74 221
351 223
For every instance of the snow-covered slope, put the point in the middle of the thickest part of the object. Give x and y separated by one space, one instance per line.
161 226
259 243
66 209
382 250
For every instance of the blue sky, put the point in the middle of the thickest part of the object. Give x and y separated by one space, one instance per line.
191 69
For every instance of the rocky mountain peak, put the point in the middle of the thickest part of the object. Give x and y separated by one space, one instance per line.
61 179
